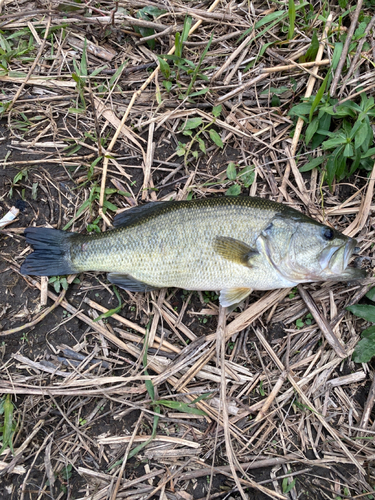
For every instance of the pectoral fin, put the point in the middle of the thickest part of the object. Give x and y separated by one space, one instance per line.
235 250
129 283
231 296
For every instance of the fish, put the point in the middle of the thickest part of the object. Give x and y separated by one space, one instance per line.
231 245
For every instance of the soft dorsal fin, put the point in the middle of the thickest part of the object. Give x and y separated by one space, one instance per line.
141 212
235 250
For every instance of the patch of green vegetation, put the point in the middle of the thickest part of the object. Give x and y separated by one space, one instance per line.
261 390
343 130
306 321
89 203
288 485
365 349
21 175
244 178
148 13
203 319
65 476
111 312
191 125
181 65
61 282
13 47
8 426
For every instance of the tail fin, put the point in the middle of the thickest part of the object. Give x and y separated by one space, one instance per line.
51 256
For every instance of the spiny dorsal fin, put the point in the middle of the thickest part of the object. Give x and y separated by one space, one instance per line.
231 296
234 250
136 214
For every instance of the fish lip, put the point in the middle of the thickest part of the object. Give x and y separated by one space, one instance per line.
349 250
337 264
335 260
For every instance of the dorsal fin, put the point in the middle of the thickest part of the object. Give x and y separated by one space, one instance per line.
141 212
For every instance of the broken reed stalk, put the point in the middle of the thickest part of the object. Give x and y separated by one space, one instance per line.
322 323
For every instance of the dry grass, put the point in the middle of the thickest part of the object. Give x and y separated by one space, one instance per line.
285 412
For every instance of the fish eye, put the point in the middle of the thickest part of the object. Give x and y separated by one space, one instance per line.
328 234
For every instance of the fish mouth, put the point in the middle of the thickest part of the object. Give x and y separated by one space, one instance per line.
336 259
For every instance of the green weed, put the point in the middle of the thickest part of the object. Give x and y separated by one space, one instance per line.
14 47
89 204
365 349
306 321
148 13
21 175
111 312
203 319
244 178
343 130
183 66
188 129
261 390
60 282
292 18
210 297
288 485
8 426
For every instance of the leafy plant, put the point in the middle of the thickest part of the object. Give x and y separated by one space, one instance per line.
14 47
197 123
148 13
365 349
8 427
343 130
183 65
288 485
244 177
301 322
59 282
94 196
22 174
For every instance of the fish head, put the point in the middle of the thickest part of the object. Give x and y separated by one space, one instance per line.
304 250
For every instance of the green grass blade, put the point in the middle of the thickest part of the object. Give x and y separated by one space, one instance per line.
292 18
111 312
319 95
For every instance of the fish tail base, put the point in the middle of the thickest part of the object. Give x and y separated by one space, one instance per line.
51 256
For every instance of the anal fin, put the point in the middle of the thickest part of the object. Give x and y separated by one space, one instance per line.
129 283
231 296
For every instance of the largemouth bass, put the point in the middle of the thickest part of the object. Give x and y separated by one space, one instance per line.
230 244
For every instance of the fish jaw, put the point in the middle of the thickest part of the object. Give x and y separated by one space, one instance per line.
336 260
